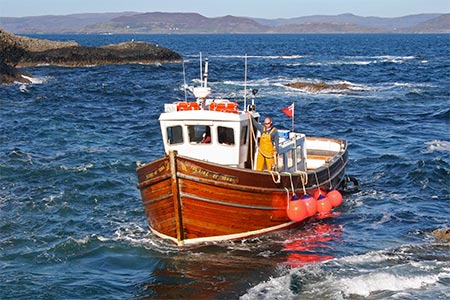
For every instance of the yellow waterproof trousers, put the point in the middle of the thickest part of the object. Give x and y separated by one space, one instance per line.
266 152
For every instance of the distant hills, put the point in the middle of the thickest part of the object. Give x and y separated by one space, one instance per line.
185 23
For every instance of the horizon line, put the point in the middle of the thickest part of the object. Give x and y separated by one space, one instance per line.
276 18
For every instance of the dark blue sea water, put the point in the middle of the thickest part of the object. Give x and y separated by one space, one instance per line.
71 221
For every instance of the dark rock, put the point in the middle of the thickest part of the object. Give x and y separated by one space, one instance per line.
13 48
10 75
17 51
79 56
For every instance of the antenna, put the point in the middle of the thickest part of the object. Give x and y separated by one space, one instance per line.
184 86
245 83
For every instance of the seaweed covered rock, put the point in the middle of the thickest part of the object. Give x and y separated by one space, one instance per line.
315 87
442 234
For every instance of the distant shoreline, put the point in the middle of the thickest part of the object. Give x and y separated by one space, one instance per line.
194 23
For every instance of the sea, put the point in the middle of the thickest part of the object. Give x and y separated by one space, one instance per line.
72 225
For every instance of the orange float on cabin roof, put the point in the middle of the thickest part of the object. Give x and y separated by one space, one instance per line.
181 106
231 107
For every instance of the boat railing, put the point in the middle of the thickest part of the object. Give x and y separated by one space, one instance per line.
291 152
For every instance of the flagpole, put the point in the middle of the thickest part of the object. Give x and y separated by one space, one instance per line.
293 115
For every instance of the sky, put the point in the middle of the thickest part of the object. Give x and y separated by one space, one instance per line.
217 8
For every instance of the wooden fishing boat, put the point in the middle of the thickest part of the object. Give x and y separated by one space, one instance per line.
210 191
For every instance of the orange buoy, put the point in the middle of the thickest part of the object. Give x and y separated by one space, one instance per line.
323 205
296 209
319 192
311 205
335 198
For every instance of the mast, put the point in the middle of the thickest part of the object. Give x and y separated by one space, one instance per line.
203 91
245 83
205 76
201 70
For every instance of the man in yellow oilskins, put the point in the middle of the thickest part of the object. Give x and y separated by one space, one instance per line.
268 145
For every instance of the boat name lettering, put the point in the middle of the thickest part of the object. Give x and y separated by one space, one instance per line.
210 174
157 171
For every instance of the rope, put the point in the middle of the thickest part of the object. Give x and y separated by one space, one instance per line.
304 180
292 183
287 196
278 180
303 176
290 178
329 177
317 179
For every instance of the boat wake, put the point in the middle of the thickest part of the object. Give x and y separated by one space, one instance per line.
411 271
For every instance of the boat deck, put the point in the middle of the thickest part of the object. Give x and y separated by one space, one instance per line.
315 161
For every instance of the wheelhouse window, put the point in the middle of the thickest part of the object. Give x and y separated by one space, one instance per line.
226 135
244 131
199 134
175 135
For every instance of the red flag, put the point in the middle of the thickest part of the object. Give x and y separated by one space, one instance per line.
289 111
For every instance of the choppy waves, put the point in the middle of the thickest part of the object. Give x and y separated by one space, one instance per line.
408 272
72 223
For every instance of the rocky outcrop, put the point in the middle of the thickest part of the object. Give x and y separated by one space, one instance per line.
10 54
79 56
17 51
315 87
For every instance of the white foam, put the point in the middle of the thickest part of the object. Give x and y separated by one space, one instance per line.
274 288
53 198
35 80
437 145
370 257
136 235
260 56
412 84
23 88
336 63
83 240
360 60
19 153
366 284
81 168
394 59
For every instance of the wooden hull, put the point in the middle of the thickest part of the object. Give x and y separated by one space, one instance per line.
190 201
